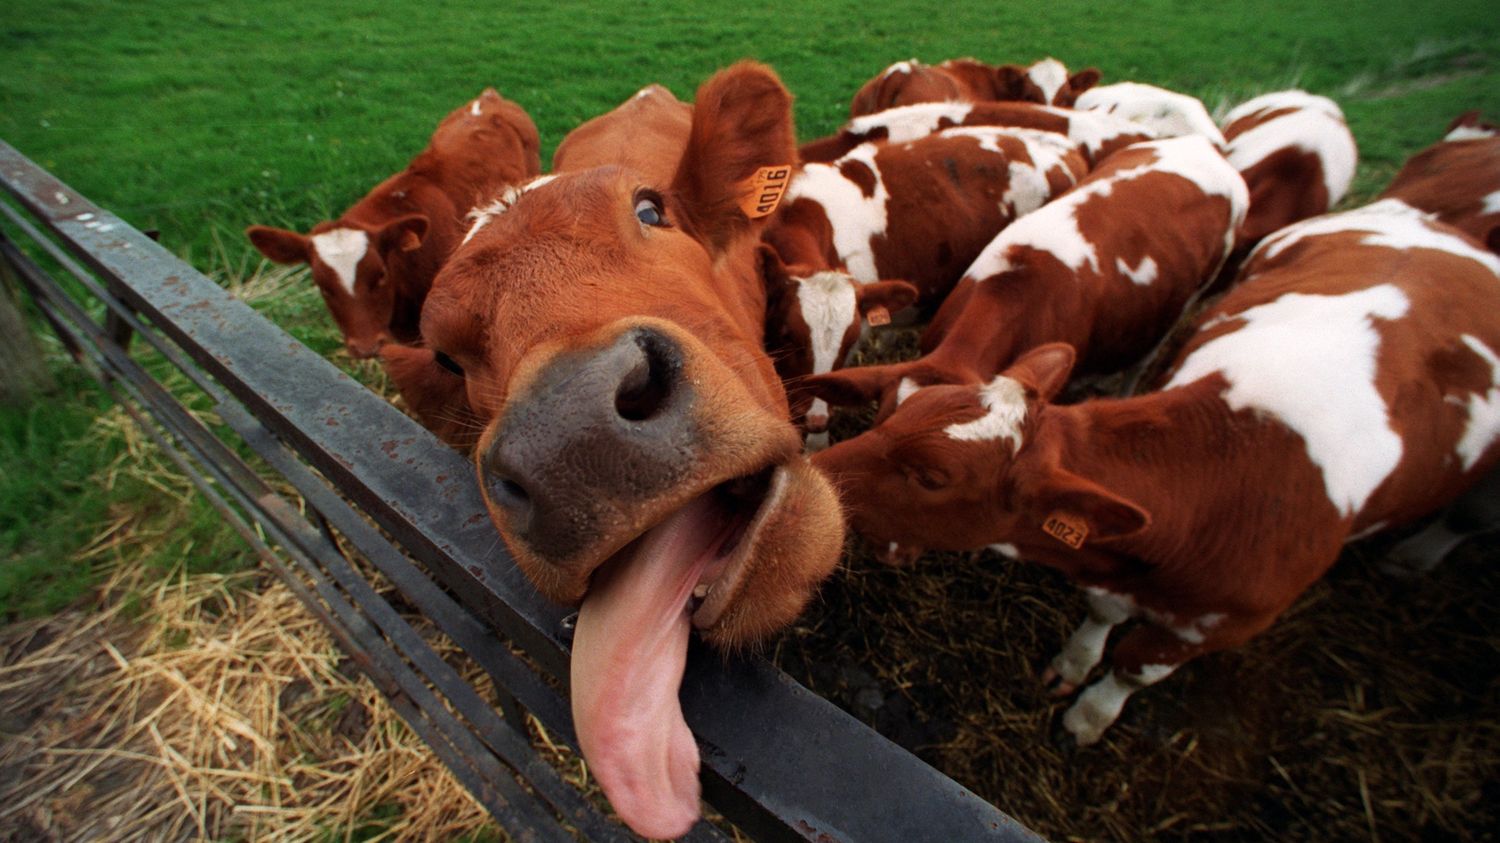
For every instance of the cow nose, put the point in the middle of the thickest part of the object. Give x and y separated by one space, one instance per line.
594 431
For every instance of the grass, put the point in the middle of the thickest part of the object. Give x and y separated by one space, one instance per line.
198 120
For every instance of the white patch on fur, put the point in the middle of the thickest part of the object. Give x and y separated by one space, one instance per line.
342 249
1463 133
1050 75
1093 129
1168 113
483 214
907 123
474 108
1194 632
1100 704
1004 401
1389 222
1009 551
1027 188
1366 532
1142 275
1317 127
906 389
1484 409
1085 647
829 305
1292 358
1491 204
899 67
855 218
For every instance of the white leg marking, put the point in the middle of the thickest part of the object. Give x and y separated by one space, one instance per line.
1100 704
1086 646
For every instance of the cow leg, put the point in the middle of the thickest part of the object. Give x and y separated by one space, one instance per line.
1146 655
1085 648
1476 512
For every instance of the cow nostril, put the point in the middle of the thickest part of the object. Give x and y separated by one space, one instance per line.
507 493
646 388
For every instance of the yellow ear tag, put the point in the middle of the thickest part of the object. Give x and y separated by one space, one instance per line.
1067 529
763 190
878 316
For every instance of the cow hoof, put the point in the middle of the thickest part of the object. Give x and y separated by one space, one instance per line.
1083 723
1055 685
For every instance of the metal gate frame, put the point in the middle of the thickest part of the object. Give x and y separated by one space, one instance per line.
778 761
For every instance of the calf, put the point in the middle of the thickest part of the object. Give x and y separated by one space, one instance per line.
1167 113
1297 157
1457 179
919 211
1098 134
966 80
1096 268
637 455
375 263
1350 382
647 132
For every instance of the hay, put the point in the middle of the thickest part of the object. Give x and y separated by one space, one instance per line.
225 711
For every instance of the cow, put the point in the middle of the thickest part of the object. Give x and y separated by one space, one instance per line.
1458 179
375 263
1296 154
919 212
1097 133
1167 113
1047 82
432 387
1349 383
649 130
1096 268
637 454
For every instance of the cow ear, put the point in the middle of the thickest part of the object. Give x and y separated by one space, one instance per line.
848 387
1010 81
1044 369
1083 80
403 234
890 296
1076 502
742 145
278 244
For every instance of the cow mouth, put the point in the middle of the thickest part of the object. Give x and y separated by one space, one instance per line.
630 646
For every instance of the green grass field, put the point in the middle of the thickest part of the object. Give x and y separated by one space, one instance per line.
199 119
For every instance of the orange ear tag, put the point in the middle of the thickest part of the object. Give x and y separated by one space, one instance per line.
1067 529
762 192
878 316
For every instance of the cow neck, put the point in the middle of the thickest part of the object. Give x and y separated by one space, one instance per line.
1142 448
987 336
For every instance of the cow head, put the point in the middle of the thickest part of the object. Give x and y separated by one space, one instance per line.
1047 82
813 319
354 267
959 467
638 457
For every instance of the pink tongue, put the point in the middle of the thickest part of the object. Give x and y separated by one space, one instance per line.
629 654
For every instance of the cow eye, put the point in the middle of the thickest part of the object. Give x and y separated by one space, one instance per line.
648 211
448 363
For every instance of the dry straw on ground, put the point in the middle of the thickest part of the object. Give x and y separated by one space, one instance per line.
207 707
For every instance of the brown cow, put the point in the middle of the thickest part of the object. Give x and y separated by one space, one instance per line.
1046 82
638 455
881 213
1457 179
1296 154
432 388
1349 383
375 263
1096 268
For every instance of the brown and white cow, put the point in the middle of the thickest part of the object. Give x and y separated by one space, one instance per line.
1047 82
1350 382
375 263
1167 113
638 456
648 131
1296 154
919 211
1107 267
1457 179
1097 133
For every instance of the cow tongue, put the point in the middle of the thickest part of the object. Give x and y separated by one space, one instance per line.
629 654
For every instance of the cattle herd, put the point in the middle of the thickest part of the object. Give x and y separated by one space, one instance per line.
640 349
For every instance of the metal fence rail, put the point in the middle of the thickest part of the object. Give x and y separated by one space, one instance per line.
778 760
